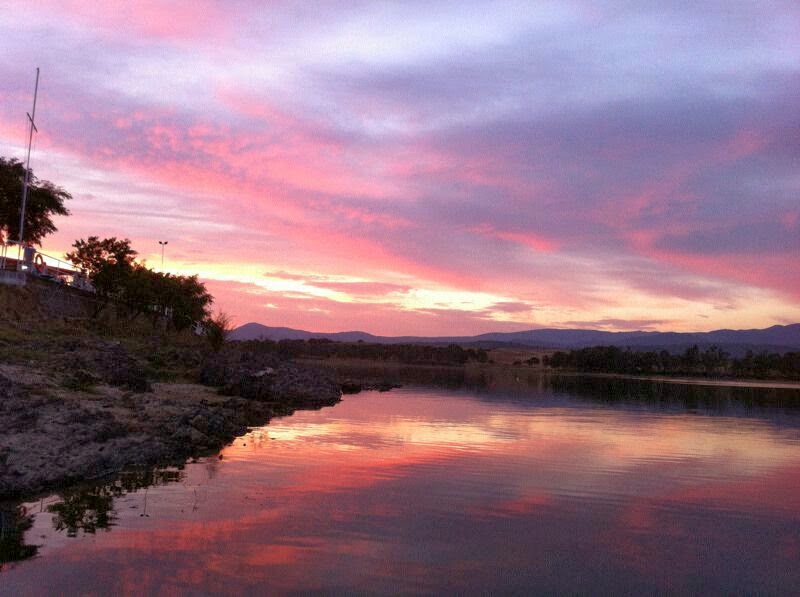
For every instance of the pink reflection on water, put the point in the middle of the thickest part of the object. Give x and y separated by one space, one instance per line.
425 491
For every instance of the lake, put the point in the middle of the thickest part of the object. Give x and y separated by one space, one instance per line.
559 485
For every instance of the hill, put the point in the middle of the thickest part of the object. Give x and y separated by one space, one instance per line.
778 338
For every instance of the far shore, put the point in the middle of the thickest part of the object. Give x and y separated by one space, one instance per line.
346 363
692 381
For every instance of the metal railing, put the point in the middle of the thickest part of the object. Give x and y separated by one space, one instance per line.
62 267
40 264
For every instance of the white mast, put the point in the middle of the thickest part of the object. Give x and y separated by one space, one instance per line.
28 161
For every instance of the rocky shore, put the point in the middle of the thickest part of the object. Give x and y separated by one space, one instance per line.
102 412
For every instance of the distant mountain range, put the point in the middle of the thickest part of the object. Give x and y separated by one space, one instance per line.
778 338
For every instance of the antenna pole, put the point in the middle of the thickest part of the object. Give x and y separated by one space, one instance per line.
27 180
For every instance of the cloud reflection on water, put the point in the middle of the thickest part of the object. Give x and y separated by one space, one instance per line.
427 490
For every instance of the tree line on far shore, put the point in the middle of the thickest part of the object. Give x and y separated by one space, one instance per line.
712 362
407 354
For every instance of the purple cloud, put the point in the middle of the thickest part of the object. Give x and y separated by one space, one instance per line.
569 156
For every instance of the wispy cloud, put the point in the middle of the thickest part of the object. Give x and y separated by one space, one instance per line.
615 163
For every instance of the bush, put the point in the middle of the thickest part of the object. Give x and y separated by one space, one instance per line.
217 329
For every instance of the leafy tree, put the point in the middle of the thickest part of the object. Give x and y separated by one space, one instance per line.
182 300
111 267
189 301
93 255
107 263
140 289
714 357
691 358
45 200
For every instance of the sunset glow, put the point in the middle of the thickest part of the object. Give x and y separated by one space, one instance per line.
428 168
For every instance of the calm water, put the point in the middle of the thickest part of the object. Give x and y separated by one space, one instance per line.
564 488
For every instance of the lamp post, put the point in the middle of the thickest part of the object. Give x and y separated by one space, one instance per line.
163 244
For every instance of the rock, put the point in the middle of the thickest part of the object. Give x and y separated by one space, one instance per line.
264 377
200 423
350 387
190 436
385 386
111 363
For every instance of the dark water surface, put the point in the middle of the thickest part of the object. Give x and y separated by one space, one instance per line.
575 486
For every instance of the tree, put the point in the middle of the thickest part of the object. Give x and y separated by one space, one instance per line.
691 359
140 288
188 301
217 329
45 200
111 268
107 263
92 256
713 358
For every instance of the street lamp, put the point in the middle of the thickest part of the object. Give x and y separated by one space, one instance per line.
163 244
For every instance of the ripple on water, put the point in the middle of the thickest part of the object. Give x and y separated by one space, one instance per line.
423 490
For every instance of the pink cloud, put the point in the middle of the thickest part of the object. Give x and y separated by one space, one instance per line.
759 271
533 241
419 169
361 288
253 303
179 20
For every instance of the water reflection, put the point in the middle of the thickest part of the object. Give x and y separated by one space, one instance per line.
523 384
554 488
680 395
84 509
14 521
88 508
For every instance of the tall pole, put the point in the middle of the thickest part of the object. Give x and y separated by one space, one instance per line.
27 180
163 244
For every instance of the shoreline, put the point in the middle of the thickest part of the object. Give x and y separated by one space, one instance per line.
55 438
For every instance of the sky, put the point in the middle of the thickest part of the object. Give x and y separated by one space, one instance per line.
429 168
